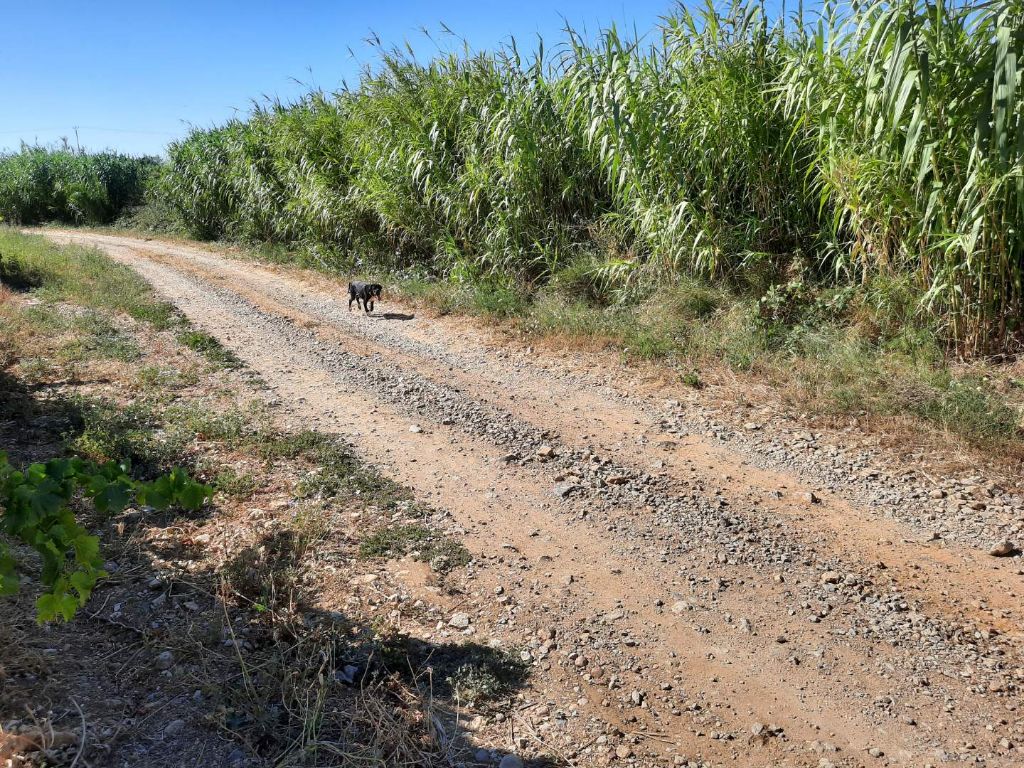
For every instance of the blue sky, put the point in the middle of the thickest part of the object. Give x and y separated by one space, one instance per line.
131 75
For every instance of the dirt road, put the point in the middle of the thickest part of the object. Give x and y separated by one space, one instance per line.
689 585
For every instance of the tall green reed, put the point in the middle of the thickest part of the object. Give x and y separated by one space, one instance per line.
879 138
42 184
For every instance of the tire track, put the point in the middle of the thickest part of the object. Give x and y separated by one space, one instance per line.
704 585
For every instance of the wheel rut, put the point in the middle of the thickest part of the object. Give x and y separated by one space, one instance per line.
703 600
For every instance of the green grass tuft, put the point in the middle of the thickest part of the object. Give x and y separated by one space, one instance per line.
209 347
443 554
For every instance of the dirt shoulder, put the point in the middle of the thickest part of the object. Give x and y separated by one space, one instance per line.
688 581
274 625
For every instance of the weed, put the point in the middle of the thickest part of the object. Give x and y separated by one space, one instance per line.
488 677
496 300
85 277
692 379
155 378
41 184
392 542
731 148
336 471
296 709
440 552
98 338
154 216
18 275
444 554
237 486
968 405
207 423
134 433
209 347
41 369
470 674
443 298
646 343
581 282
268 575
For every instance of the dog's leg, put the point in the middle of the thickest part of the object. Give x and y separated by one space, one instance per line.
369 306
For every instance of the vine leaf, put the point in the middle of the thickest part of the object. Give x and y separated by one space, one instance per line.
35 510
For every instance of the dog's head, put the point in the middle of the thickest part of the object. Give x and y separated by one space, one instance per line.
375 290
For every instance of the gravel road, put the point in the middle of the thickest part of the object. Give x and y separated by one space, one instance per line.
693 582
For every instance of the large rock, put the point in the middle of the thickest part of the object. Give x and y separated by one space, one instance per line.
563 490
1004 548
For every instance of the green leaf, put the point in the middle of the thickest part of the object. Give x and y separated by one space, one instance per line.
192 496
68 606
84 582
157 494
114 497
34 509
87 549
47 607
9 582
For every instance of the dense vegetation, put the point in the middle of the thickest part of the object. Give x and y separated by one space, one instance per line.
875 149
41 184
885 140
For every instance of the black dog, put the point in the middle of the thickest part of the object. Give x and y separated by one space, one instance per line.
363 295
